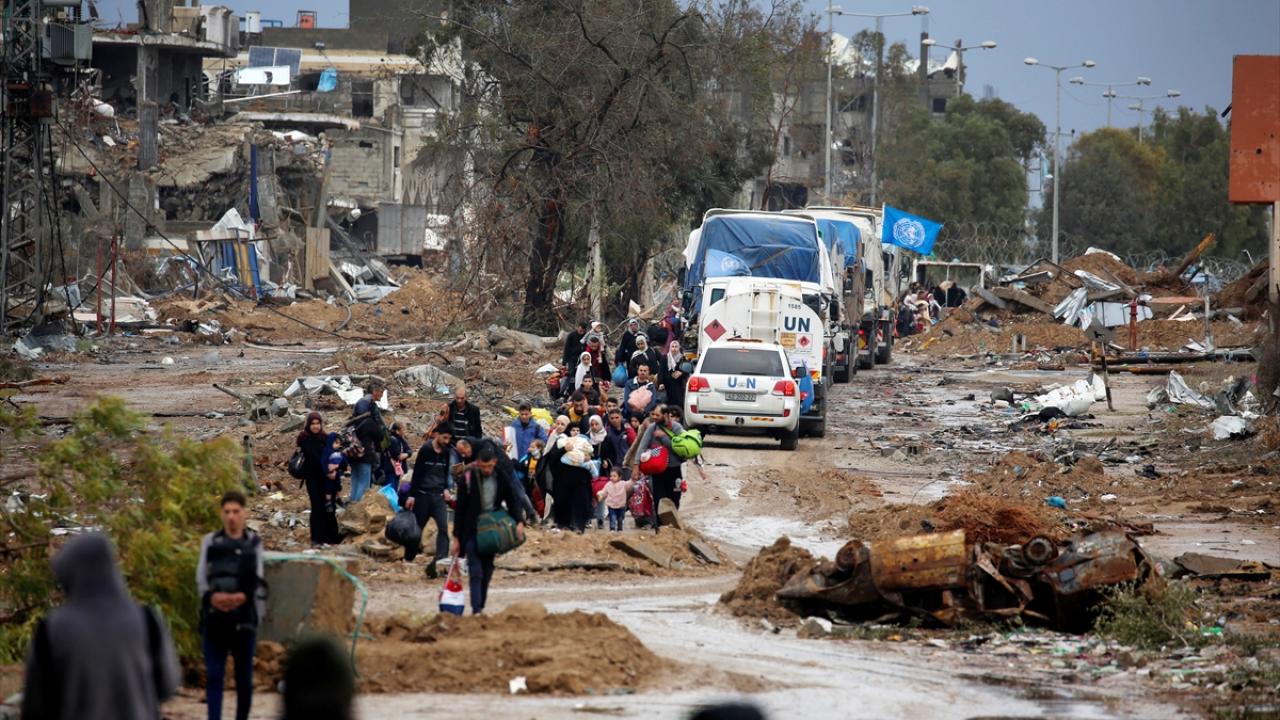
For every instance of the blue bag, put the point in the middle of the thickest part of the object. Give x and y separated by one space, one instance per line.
620 375
393 497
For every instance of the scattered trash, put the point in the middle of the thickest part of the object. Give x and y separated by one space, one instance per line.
347 387
1056 501
166 360
1072 400
1108 498
1230 427
518 685
1177 392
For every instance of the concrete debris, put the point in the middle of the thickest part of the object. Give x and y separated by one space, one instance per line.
350 388
1178 392
643 550
1209 566
430 377
505 341
703 551
944 577
668 515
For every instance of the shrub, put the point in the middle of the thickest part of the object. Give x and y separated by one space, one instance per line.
1150 615
152 492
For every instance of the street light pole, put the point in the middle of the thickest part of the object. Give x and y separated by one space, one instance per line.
960 49
875 96
1057 136
1140 107
826 165
1110 93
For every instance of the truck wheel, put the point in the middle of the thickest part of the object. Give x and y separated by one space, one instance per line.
884 355
842 376
864 361
791 438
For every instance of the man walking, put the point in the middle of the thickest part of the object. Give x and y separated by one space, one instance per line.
100 656
526 430
641 381
481 491
463 416
229 578
429 493
370 431
627 345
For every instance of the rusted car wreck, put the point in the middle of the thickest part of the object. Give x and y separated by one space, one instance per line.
944 577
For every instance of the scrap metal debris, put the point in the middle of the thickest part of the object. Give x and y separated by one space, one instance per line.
944 577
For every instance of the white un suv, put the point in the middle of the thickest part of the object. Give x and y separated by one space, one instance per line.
745 384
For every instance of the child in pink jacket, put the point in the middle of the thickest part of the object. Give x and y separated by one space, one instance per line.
614 495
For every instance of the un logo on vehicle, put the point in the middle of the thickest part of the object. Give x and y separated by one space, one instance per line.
909 233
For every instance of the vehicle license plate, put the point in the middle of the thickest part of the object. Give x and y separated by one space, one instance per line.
740 397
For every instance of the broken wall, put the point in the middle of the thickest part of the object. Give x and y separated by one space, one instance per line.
363 163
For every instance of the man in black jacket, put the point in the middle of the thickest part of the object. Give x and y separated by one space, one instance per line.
463 416
429 493
482 490
229 579
371 431
573 345
627 345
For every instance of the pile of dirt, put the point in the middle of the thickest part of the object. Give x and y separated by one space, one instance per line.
1033 476
1249 291
756 593
983 517
1173 335
829 492
573 653
1104 266
957 338
549 550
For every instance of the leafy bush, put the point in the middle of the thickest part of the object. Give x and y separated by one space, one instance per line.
152 492
1150 616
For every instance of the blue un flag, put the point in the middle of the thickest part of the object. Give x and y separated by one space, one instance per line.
909 231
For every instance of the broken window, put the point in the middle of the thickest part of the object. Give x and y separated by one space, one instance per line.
940 105
362 98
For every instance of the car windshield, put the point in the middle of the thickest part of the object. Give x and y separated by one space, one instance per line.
743 361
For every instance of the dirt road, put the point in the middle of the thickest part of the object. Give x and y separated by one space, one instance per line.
902 434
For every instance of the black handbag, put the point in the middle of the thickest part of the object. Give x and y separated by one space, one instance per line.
297 465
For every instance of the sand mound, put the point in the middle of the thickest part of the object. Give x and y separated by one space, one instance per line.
755 595
560 654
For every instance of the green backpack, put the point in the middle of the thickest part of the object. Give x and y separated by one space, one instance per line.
687 445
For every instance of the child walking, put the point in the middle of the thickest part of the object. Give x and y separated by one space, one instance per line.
614 495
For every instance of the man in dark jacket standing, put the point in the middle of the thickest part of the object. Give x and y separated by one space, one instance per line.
100 656
229 578
573 345
370 430
429 493
463 416
482 490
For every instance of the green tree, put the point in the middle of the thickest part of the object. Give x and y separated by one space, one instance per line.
1108 193
964 169
154 493
604 113
1191 195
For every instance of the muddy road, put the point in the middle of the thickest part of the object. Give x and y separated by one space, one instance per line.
902 434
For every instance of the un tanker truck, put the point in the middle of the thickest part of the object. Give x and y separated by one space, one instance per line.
765 276
881 267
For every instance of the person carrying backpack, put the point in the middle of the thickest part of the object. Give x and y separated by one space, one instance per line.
371 433
646 394
482 490
660 428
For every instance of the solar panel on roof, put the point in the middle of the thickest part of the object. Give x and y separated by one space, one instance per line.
274 57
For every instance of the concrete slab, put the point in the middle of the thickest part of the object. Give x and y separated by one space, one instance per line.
704 551
642 550
306 594
668 515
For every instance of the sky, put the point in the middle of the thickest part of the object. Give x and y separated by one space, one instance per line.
1184 45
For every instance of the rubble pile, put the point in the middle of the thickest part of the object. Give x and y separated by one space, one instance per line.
1047 307
756 594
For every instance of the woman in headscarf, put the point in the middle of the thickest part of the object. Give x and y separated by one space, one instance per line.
644 355
582 370
316 447
599 446
599 357
673 376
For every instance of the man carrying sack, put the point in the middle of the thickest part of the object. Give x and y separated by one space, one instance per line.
482 528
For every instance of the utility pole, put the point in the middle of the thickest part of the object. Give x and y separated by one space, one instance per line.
1057 135
875 110
826 165
27 103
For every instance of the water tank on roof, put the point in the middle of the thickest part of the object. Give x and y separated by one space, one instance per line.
253 22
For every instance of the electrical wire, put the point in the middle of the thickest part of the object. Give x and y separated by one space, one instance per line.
198 264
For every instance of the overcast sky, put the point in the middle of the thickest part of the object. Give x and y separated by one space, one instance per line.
1185 45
